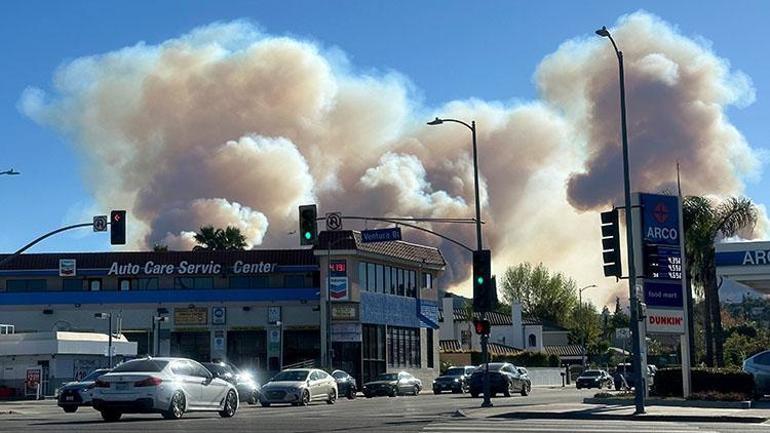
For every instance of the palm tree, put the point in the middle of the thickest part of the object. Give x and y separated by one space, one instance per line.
229 239
706 222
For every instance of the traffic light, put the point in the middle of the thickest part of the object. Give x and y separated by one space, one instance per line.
118 227
482 326
611 244
308 227
483 293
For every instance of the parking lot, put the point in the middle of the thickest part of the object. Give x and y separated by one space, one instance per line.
398 414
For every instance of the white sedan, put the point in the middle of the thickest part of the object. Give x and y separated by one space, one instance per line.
169 386
299 387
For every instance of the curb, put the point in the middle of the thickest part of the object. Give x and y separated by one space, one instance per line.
671 403
617 417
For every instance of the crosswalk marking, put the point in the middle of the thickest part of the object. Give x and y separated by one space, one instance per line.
576 426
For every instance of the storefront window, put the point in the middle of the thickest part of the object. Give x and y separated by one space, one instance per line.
72 285
380 287
371 279
401 282
412 293
403 347
388 287
144 284
362 275
25 285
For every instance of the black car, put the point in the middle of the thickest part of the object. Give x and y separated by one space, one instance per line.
455 379
249 390
504 378
346 384
72 395
594 379
392 384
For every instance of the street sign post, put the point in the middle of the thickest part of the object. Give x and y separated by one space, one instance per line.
381 235
100 223
334 221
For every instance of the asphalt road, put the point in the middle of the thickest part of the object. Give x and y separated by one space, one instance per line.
423 413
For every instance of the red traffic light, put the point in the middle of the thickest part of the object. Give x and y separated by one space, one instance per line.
482 326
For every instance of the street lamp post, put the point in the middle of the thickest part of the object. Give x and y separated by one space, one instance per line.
636 359
580 305
484 339
108 317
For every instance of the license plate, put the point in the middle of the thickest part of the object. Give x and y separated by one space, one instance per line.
69 398
121 386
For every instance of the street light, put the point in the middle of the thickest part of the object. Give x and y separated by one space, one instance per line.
580 305
158 320
636 343
484 339
108 317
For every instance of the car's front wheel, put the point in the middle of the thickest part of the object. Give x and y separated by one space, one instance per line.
176 407
231 405
351 393
305 398
525 389
70 409
111 415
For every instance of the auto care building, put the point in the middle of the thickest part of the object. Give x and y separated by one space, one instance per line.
263 309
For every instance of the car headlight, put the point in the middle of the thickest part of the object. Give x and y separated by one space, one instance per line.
457 380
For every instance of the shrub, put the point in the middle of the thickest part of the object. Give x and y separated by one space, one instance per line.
668 382
717 396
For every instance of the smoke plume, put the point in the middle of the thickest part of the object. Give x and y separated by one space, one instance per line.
229 126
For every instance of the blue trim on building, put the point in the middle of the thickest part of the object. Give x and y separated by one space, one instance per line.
158 296
103 272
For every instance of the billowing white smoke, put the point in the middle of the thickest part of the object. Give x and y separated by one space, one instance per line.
228 126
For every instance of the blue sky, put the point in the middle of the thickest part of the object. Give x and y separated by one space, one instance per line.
447 49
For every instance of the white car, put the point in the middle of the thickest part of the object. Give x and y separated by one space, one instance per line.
299 387
758 366
169 386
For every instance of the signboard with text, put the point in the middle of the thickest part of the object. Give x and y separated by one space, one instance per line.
662 264
191 316
381 235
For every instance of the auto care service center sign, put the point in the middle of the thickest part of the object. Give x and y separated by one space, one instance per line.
662 260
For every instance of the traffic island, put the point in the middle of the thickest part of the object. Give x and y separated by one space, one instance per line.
671 402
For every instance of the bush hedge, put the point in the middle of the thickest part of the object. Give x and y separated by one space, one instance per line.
668 382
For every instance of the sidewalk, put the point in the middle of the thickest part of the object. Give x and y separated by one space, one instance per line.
616 412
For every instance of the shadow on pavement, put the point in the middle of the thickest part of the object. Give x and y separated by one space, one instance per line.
600 413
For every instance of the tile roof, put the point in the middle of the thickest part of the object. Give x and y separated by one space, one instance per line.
569 350
501 349
495 318
351 240
450 346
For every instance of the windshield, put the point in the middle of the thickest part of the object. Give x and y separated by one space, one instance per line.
387 376
216 368
591 373
492 367
290 376
339 374
141 365
455 371
94 374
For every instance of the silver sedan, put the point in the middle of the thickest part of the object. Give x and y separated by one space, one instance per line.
299 387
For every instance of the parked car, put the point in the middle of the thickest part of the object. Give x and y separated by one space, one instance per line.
346 384
455 379
169 386
392 384
248 388
625 373
758 366
594 379
72 395
504 378
299 387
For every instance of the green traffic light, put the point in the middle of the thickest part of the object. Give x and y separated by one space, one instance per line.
308 235
480 280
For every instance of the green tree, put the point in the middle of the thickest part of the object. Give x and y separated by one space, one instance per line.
619 318
543 295
585 326
228 239
706 222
